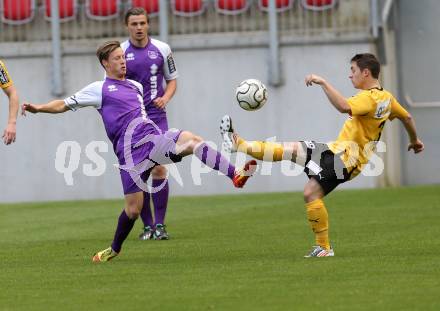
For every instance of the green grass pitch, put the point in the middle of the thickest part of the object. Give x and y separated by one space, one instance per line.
238 252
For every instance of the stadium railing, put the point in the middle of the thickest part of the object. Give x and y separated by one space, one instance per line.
87 19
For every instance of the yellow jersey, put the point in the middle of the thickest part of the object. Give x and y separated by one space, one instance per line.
370 109
5 79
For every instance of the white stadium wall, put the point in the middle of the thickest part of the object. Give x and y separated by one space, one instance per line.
417 49
205 93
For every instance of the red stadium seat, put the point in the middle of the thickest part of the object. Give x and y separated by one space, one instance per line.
231 6
67 9
102 9
281 5
17 12
151 6
318 5
188 7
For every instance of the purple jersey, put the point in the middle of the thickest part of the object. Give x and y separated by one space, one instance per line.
137 142
151 66
119 103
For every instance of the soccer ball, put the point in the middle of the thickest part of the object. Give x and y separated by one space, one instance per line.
251 94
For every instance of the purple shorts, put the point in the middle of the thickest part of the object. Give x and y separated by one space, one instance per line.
160 150
161 121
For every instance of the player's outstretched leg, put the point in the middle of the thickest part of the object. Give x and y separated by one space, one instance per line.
260 150
189 143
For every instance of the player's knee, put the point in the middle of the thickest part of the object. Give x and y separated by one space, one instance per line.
133 206
188 142
313 191
310 194
194 142
197 140
132 211
307 195
159 172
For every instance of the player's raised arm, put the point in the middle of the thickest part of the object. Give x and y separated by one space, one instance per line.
89 96
55 106
333 95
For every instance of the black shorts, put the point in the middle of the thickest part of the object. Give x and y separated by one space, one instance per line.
324 166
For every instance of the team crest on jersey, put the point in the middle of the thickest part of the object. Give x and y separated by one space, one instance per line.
152 54
112 88
130 56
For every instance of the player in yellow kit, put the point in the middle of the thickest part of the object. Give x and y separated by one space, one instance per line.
328 165
8 88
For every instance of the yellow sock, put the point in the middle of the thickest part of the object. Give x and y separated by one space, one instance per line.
318 219
261 150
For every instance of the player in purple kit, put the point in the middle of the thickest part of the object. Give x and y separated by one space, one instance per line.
138 144
150 62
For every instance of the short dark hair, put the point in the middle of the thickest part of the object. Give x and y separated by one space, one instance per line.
104 51
135 11
367 61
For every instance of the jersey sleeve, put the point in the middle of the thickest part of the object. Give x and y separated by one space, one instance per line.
397 111
125 45
169 66
5 79
361 104
170 69
90 96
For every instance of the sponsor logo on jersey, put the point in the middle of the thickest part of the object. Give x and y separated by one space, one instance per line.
3 76
152 54
153 69
383 109
171 64
153 81
130 56
112 88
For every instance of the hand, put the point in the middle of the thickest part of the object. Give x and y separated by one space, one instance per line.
310 79
417 146
9 134
28 107
160 102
